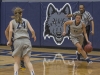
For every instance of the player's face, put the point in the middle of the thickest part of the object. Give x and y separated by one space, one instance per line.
81 8
78 18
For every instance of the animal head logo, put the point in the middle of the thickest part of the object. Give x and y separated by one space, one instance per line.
53 25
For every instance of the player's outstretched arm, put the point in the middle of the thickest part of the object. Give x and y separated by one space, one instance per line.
65 25
32 31
69 15
72 15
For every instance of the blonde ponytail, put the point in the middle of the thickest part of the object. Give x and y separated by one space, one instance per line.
17 14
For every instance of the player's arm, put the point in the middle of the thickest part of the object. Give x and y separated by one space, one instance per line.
10 33
92 23
7 33
84 31
65 25
72 15
69 15
32 31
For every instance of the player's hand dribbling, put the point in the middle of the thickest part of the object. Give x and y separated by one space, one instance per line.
89 42
64 33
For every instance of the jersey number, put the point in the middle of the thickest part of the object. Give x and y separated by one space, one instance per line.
21 25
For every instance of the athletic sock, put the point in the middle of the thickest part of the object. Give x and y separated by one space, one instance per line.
32 73
16 73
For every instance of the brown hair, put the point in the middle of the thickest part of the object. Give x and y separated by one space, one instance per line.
78 14
17 14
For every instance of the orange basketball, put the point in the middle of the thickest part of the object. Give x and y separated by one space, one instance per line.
88 48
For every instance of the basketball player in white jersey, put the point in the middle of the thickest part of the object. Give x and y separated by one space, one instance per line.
77 28
22 46
12 46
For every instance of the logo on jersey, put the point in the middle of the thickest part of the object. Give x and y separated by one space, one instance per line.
53 25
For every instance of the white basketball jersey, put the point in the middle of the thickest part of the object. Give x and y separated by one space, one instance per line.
20 30
76 30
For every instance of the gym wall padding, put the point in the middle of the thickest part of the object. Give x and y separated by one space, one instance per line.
96 16
0 21
35 12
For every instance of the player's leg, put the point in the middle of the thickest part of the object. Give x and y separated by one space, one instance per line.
16 59
22 60
74 41
78 41
29 64
78 55
16 64
17 54
26 54
80 50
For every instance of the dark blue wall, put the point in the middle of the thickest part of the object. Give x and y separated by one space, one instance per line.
36 14
31 12
0 20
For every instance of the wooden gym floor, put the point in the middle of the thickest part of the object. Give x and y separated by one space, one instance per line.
56 67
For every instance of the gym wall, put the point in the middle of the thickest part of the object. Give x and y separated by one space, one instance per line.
35 12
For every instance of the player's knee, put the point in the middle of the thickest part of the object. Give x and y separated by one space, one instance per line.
17 63
25 61
79 49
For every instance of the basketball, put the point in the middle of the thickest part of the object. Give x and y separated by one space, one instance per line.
88 48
